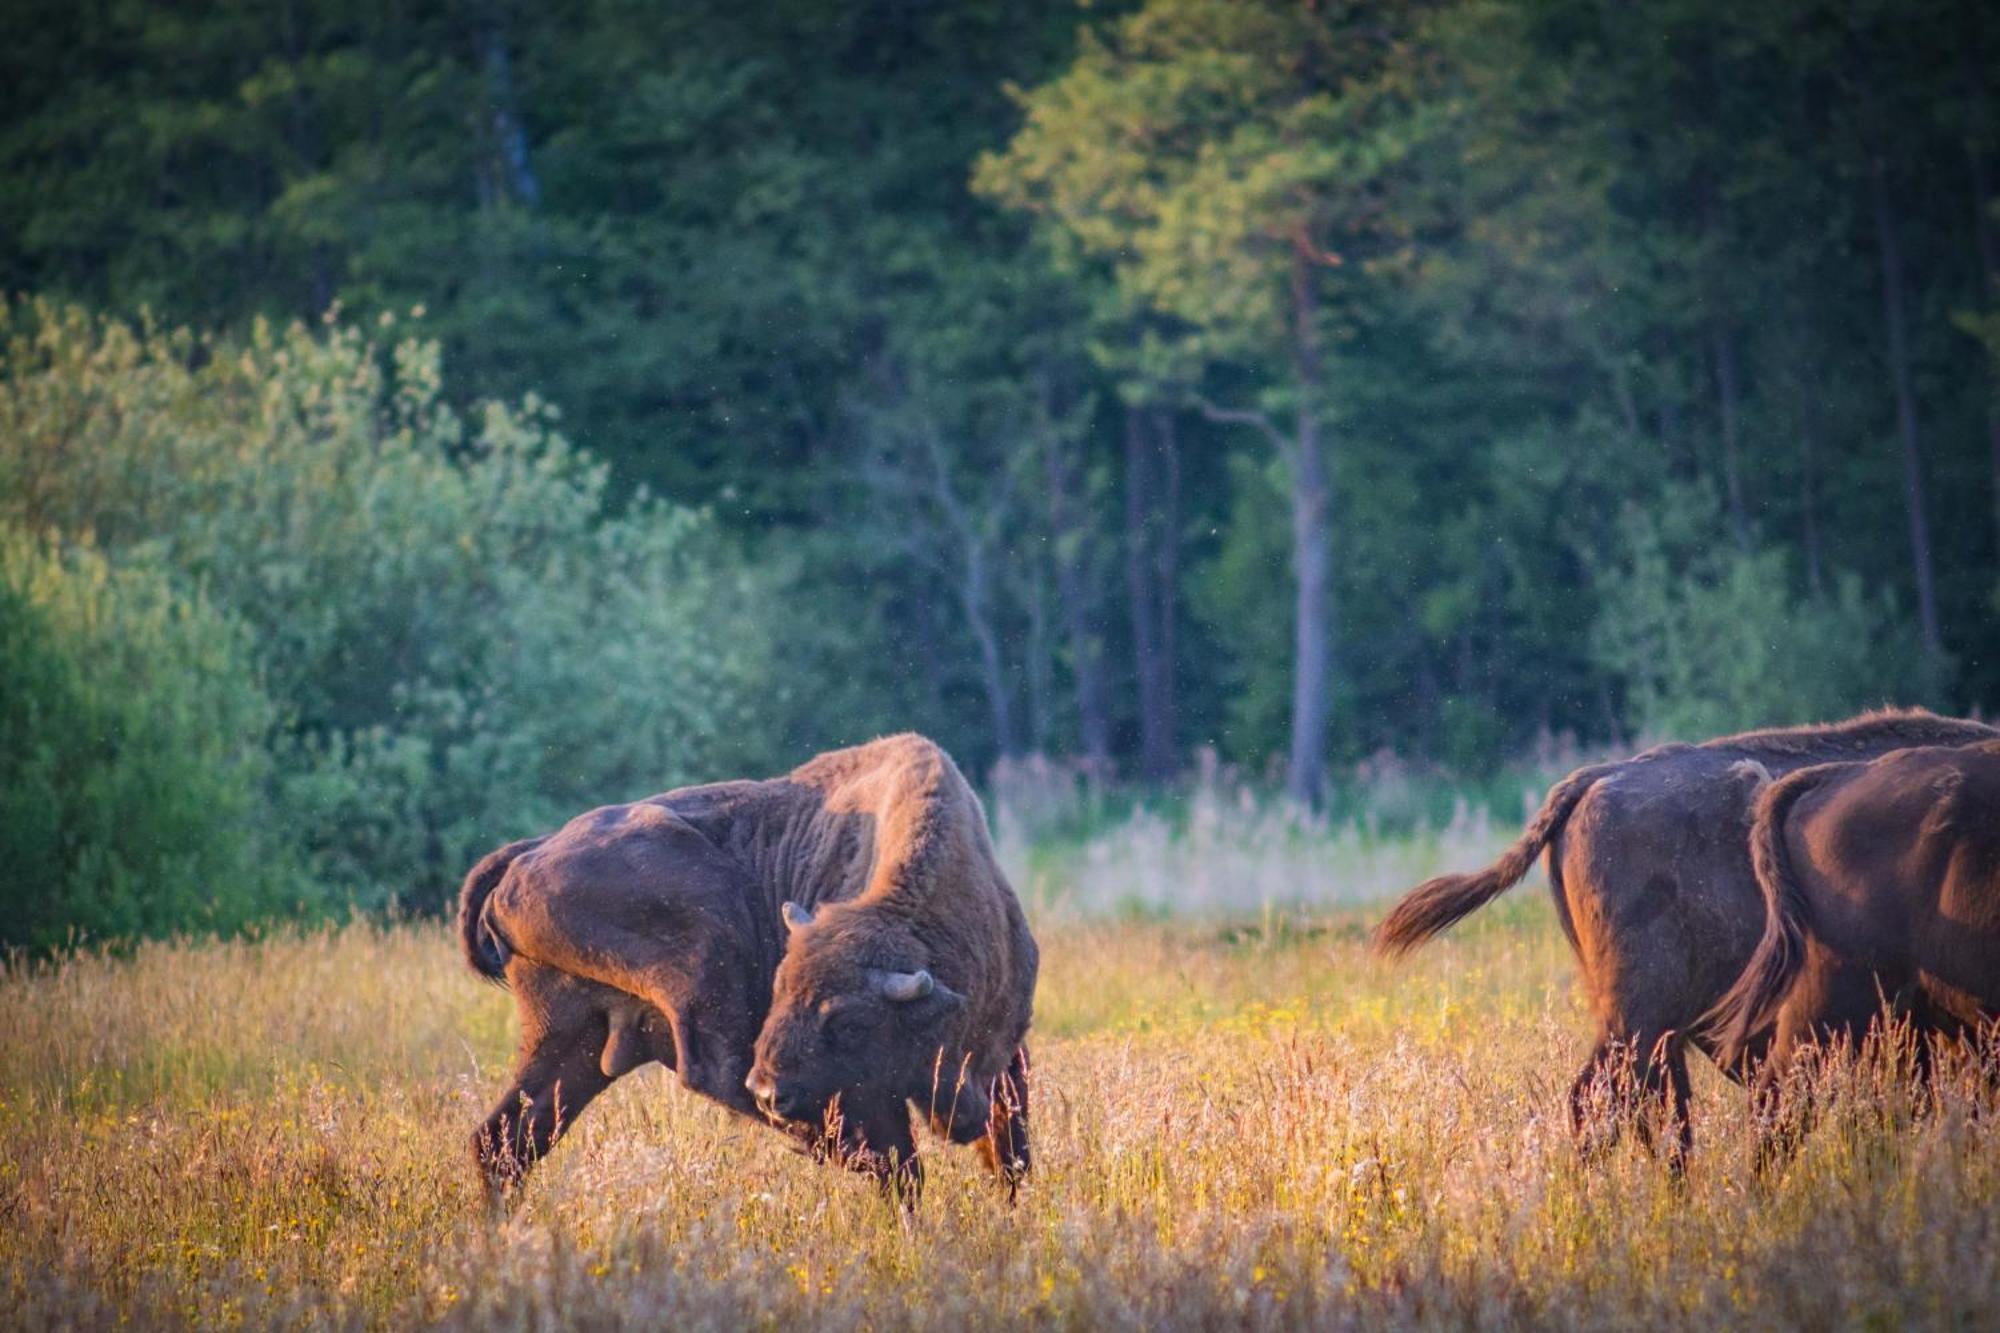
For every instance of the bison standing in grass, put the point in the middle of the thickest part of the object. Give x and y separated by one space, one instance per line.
820 951
1893 866
1649 864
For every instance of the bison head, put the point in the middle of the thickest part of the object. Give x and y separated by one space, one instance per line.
859 1027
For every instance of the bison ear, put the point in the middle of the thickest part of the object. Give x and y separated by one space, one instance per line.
796 917
902 987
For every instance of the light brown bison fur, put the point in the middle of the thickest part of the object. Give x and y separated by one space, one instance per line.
656 931
1649 866
1892 866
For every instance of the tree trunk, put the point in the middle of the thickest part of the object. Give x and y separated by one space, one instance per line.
1166 579
1312 561
1989 269
1809 481
977 536
1722 340
305 146
1667 413
932 665
974 596
1971 68
1906 411
1036 649
1155 720
1724 343
1071 538
513 177
1312 570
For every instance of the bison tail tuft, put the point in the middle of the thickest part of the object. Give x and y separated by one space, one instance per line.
486 949
1437 904
1752 1003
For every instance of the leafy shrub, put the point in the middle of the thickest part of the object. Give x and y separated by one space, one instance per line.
1708 638
463 641
133 776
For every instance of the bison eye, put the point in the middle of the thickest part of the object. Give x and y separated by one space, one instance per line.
848 1028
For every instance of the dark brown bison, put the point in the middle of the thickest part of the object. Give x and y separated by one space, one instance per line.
818 951
1891 866
1649 865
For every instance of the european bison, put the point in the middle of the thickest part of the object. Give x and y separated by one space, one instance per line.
1649 865
1893 866
817 951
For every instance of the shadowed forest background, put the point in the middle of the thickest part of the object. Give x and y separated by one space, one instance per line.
420 422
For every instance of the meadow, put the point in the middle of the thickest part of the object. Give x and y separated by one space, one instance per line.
1241 1120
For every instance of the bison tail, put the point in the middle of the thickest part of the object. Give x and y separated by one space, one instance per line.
1753 1001
1437 904
486 949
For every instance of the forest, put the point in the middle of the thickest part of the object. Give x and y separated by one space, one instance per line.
420 421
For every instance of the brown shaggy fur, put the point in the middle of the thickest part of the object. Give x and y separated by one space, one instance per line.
1650 870
657 931
1892 865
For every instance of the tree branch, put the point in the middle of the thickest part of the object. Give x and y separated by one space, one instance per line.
1243 416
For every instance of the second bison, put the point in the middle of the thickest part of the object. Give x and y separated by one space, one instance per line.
1892 865
822 951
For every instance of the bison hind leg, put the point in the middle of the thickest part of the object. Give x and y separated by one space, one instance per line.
1622 1081
1600 1097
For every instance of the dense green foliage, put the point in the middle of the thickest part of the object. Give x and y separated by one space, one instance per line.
1096 379
1702 635
460 642
133 772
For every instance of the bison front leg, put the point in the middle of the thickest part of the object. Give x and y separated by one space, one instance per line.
874 1138
554 1081
1004 1148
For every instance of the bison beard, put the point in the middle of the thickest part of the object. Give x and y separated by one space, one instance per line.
811 951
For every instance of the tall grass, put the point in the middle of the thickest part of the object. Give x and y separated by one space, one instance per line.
1236 1126
1222 847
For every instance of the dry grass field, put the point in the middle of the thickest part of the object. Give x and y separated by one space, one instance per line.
1246 1126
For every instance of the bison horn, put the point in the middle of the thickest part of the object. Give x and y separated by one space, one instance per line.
905 986
796 917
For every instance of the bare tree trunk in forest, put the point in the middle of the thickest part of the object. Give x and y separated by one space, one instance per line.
1156 760
995 680
1312 559
512 176
1667 413
1167 575
1724 344
1906 410
973 595
1722 338
1036 649
1808 390
1971 74
974 587
305 145
931 664
1312 545
1072 557
1989 268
